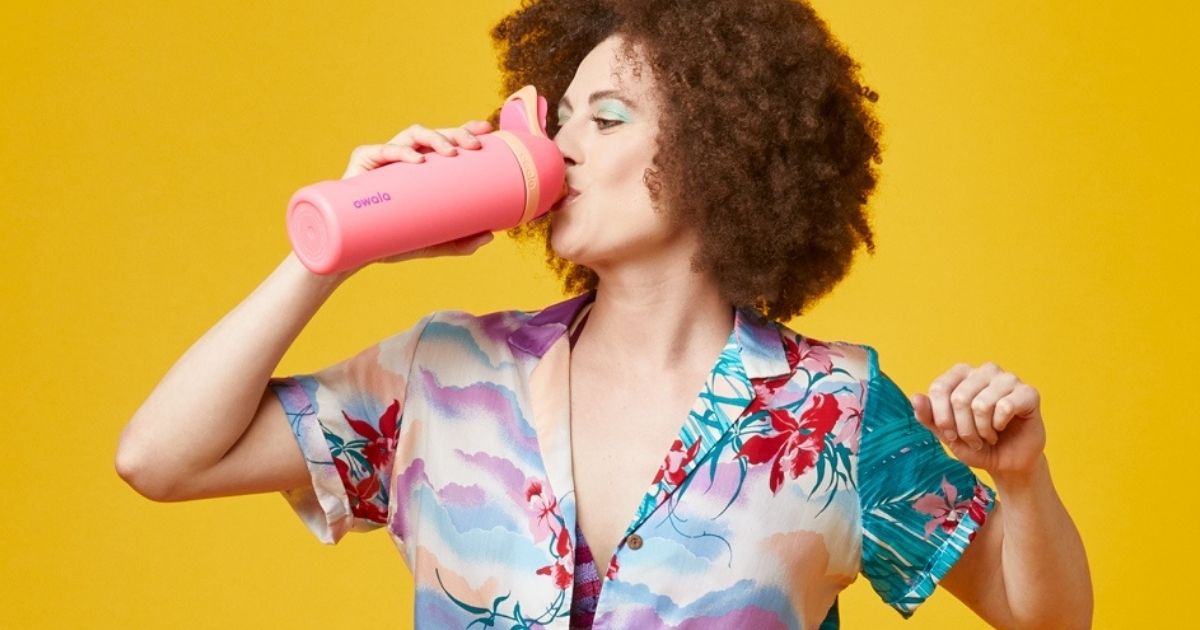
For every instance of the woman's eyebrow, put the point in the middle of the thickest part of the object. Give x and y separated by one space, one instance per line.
601 94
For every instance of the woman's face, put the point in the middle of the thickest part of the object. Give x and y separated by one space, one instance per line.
608 141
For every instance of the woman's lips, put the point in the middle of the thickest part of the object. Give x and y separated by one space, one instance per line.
571 195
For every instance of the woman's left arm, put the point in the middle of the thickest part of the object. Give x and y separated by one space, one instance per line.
1026 567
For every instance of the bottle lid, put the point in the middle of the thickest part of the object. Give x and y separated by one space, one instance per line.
523 127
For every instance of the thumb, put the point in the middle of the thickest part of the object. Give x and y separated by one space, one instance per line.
923 409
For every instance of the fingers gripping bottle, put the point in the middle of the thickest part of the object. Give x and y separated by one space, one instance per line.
514 177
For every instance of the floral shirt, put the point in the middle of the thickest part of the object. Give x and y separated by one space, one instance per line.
800 466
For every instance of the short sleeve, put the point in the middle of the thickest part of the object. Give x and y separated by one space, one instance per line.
347 420
920 506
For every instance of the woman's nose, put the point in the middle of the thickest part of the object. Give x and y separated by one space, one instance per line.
566 148
563 138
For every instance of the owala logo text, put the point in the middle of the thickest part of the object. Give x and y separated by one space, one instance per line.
372 200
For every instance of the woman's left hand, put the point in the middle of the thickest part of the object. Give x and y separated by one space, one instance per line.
990 419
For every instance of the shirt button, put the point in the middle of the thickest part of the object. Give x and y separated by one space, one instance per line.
635 542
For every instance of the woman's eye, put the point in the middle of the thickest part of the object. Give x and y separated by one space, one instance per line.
600 122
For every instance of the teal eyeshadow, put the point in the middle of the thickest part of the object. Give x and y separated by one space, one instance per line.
615 110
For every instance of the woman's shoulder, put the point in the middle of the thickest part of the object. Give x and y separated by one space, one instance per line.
489 331
851 357
512 318
542 321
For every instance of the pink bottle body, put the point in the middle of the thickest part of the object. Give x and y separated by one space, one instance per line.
514 177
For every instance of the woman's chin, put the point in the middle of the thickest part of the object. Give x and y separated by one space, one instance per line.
565 246
565 251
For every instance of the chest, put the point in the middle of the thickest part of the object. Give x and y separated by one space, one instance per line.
621 431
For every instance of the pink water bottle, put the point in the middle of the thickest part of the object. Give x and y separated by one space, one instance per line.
514 177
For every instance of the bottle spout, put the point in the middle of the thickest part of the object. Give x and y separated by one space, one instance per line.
525 110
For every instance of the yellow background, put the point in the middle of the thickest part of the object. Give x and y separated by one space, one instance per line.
1038 209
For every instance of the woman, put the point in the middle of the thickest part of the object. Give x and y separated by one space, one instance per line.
720 159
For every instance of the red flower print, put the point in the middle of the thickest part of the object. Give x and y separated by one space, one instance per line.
675 461
814 356
792 350
534 489
543 509
793 445
764 388
364 493
382 443
562 575
851 429
946 512
613 567
977 510
548 520
361 493
562 544
560 570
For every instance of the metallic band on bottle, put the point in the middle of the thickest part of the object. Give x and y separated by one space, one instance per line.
528 171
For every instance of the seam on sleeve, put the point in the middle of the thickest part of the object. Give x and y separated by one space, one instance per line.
408 375
423 322
393 500
868 403
944 557
322 504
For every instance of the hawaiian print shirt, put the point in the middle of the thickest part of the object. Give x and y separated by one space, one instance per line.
800 466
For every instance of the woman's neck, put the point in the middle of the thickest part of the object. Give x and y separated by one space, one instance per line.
652 330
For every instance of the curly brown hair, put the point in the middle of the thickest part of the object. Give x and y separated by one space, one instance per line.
772 137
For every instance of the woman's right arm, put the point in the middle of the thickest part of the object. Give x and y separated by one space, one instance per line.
212 427
214 401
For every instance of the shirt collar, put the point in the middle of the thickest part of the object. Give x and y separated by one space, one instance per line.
759 340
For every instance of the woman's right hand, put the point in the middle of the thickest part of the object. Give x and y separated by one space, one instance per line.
409 146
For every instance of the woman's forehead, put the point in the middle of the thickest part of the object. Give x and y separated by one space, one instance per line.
604 74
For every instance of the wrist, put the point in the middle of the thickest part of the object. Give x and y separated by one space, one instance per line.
323 282
1018 481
